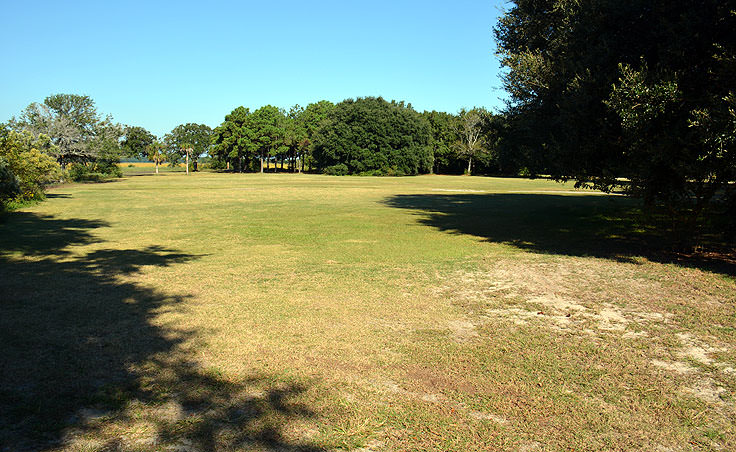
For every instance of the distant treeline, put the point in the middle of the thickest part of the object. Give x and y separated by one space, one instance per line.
65 138
367 136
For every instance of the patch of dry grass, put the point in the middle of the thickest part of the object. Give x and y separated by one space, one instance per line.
298 312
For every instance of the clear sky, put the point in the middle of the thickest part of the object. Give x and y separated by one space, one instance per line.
160 64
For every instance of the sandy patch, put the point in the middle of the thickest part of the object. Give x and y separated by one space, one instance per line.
463 330
676 366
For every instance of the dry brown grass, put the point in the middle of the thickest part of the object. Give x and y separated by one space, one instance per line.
277 312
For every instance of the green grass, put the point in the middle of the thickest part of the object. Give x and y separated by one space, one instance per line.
303 312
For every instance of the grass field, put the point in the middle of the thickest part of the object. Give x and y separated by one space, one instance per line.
315 313
141 168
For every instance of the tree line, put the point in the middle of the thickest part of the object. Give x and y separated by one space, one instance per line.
66 138
367 136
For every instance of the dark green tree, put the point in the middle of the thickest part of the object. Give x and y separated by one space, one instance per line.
268 132
232 141
443 128
371 135
295 137
311 119
136 141
642 90
188 141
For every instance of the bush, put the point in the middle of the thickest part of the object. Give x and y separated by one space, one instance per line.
216 164
33 169
9 186
94 171
80 172
336 170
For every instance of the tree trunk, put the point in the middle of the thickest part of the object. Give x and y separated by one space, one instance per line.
470 163
156 166
187 164
261 163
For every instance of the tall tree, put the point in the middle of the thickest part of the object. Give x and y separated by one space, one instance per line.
69 120
190 141
136 141
156 152
295 136
642 90
232 141
373 135
470 128
267 124
443 128
311 119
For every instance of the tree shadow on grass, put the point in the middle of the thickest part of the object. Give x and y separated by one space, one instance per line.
81 352
579 225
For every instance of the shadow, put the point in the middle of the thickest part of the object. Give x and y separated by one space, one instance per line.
81 351
58 195
597 226
39 235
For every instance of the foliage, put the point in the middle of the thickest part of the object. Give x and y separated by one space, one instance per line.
268 131
443 128
9 185
231 140
369 134
296 140
32 169
136 142
336 170
310 120
78 135
156 152
653 105
193 139
473 137
69 120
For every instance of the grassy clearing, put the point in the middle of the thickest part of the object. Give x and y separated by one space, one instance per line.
301 312
140 168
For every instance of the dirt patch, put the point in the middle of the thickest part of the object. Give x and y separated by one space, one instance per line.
463 330
696 350
676 366
708 391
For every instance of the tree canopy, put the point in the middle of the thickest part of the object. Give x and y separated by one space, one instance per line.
372 135
653 104
192 139
136 142
70 120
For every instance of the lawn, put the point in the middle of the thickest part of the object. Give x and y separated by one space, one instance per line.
316 313
141 168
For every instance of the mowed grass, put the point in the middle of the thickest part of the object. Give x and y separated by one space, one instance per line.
304 312
140 168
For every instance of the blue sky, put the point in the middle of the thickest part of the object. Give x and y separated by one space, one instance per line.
160 64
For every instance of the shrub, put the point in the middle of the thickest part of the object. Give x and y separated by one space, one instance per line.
80 172
336 170
9 186
33 169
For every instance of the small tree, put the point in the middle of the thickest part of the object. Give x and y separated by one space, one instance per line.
157 152
470 133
